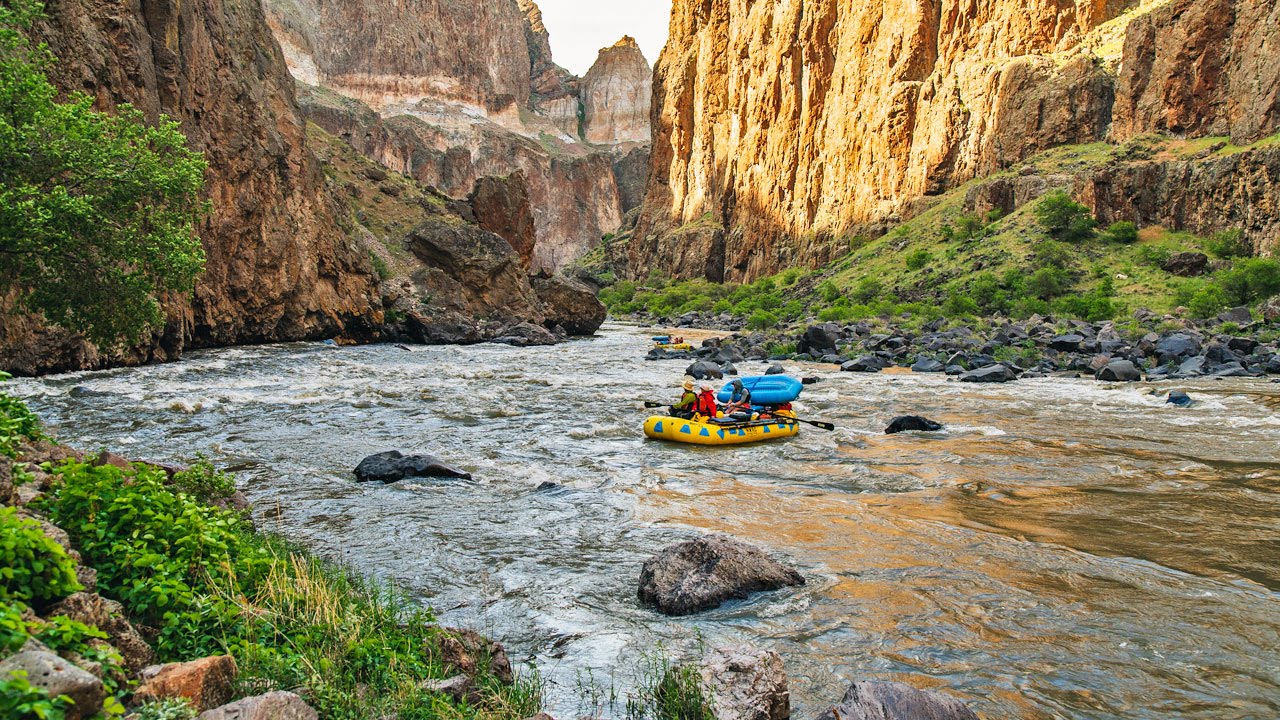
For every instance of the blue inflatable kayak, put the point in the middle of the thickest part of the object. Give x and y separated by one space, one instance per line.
766 389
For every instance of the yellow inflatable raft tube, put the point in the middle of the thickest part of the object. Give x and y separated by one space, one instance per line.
665 346
698 432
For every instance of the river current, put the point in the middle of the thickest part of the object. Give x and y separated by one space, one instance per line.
1066 549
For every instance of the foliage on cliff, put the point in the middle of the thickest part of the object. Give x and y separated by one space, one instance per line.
96 210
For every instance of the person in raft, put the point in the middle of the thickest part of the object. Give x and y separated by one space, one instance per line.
706 405
740 400
684 408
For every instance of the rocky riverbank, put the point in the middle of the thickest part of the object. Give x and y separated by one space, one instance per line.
1237 343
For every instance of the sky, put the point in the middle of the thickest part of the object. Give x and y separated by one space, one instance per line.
579 28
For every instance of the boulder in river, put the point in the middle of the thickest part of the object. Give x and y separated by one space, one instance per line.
392 466
704 371
703 573
908 423
1179 398
570 304
877 700
1119 371
989 374
864 364
818 340
928 365
776 369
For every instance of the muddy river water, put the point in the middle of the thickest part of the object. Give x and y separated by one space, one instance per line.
1066 549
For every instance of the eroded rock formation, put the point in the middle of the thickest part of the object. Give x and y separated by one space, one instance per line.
455 92
781 126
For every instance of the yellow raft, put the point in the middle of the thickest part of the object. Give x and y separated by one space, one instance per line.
697 432
667 346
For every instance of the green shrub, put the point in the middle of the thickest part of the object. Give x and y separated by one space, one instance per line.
1121 233
919 259
1153 255
828 291
1048 283
379 265
1064 219
1025 307
762 320
204 482
34 568
1250 280
839 313
869 289
958 305
669 692
1229 244
167 709
1208 301
17 422
1050 254
1094 306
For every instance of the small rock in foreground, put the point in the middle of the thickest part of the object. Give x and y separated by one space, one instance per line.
703 573
746 683
876 700
57 676
389 467
276 705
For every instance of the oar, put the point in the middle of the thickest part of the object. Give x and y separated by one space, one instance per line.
816 423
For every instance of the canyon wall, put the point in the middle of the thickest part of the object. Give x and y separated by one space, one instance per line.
278 267
450 93
781 127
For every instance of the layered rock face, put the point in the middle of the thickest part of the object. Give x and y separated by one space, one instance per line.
278 267
455 92
616 94
780 126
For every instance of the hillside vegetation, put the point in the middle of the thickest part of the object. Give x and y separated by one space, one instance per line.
1048 256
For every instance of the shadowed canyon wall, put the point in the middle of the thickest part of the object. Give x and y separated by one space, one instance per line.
450 92
782 127
278 266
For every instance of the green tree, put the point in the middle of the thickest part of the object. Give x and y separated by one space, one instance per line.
1065 219
1121 233
96 210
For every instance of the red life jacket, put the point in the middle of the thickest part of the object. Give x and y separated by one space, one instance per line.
706 404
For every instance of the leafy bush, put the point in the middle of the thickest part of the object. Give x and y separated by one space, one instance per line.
379 265
1208 300
167 709
34 568
1250 280
869 289
1065 219
828 291
17 422
204 482
958 305
1229 244
1051 254
919 259
1153 255
1048 283
762 320
1121 233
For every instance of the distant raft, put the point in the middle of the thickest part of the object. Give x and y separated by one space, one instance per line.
696 432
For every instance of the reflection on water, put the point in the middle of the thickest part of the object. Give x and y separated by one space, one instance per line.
1066 549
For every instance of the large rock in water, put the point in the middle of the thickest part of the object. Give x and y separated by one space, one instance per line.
703 573
989 374
1120 371
908 423
875 700
392 466
570 304
703 370
746 683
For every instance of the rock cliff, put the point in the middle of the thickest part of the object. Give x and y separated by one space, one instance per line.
782 126
450 93
278 268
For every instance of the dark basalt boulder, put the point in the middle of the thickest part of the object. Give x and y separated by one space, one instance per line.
1176 347
1179 398
928 365
1119 371
818 340
704 371
989 374
908 423
875 700
703 573
1186 264
864 364
392 466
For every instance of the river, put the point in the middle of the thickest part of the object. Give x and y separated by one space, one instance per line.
1067 549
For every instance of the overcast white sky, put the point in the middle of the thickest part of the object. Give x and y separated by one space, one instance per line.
579 28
